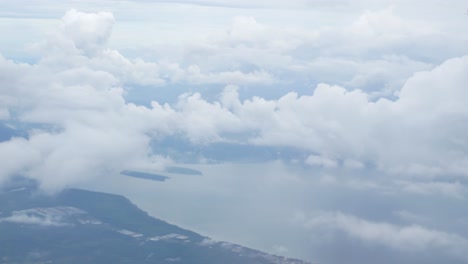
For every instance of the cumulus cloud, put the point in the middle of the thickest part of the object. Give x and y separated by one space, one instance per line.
368 114
84 103
232 77
85 128
83 42
413 134
405 238
89 32
374 57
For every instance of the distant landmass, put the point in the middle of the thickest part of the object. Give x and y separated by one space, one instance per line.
159 177
79 226
144 175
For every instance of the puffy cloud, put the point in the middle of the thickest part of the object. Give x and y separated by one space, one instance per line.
76 153
89 32
82 42
377 61
411 135
332 122
355 99
81 126
438 91
203 122
404 238
20 156
10 74
195 76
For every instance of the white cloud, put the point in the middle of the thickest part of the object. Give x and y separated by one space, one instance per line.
89 32
325 162
405 238
452 189
19 155
195 76
78 153
386 28
33 220
309 80
332 122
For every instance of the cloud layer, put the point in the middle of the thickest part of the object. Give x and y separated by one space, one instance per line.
362 106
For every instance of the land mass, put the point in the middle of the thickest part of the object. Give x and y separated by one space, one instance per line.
80 226
144 175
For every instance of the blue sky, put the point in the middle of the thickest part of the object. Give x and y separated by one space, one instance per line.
356 109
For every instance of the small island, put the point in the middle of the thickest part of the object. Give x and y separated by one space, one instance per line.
144 175
182 170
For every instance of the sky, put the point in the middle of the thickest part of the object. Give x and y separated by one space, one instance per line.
327 130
